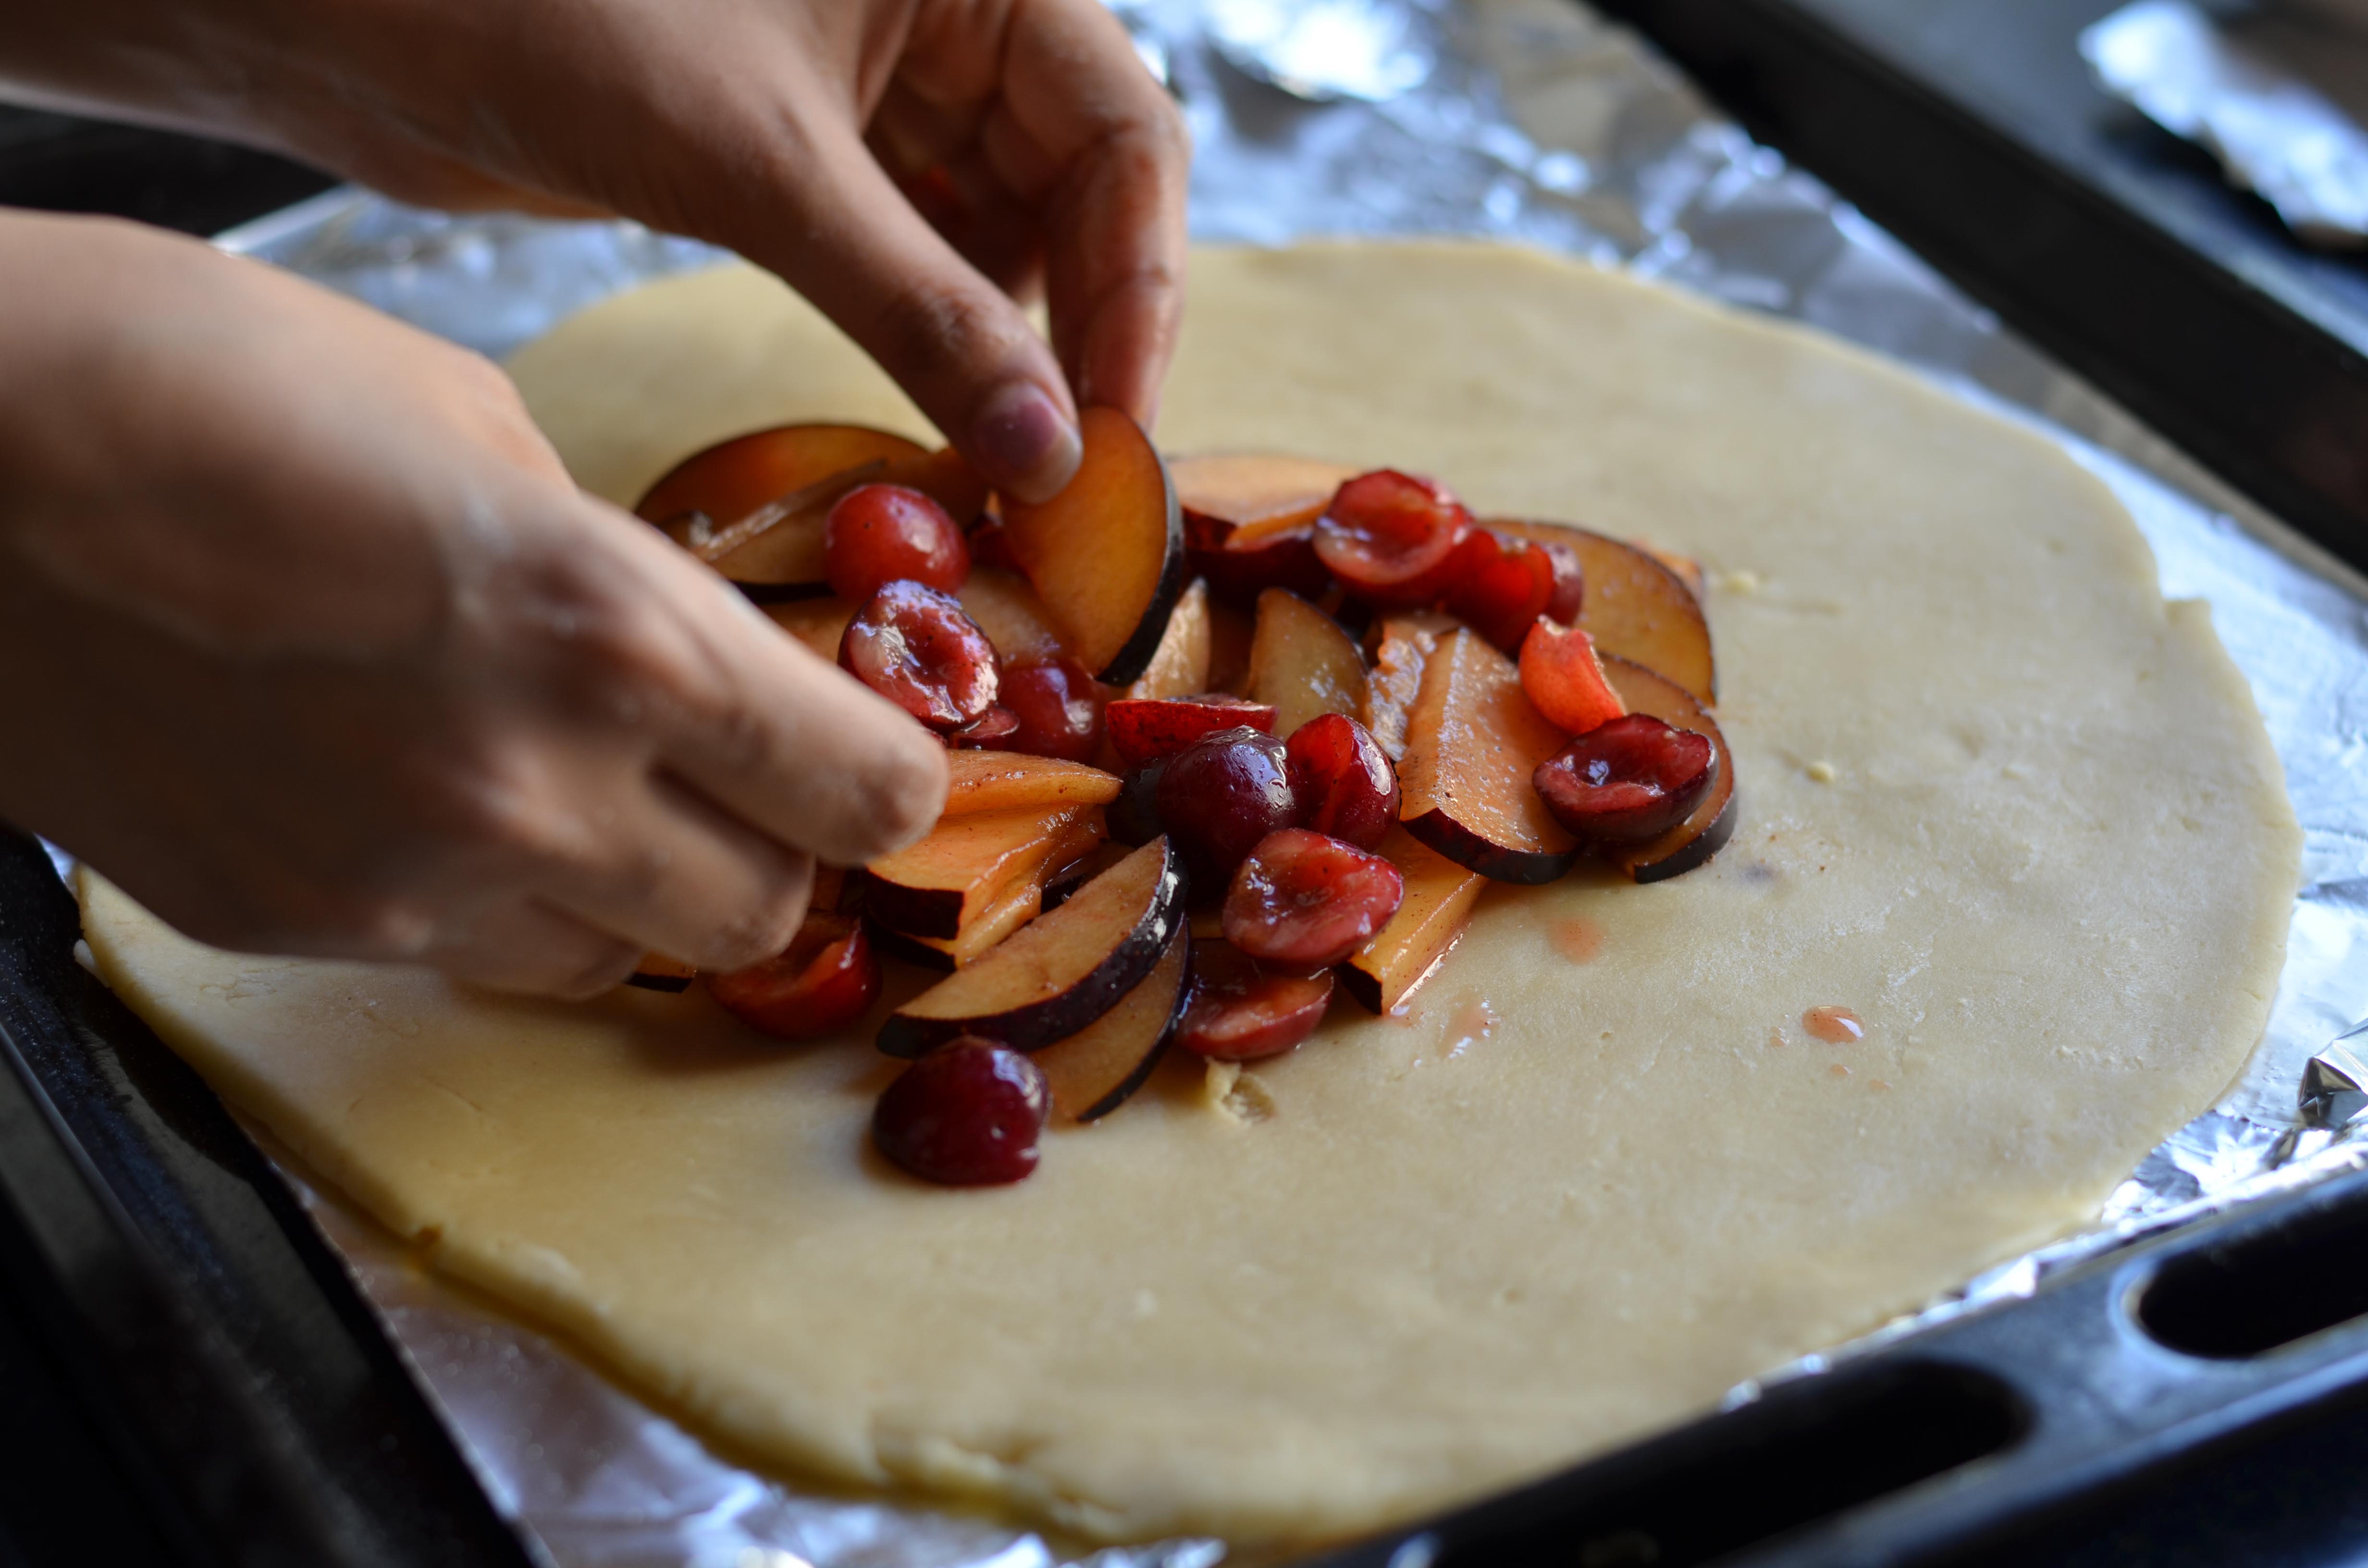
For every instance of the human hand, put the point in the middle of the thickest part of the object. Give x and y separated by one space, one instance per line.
790 130
314 649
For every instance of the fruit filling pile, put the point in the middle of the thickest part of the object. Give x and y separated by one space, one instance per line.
1226 734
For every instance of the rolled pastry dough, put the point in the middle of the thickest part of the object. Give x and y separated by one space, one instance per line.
1999 799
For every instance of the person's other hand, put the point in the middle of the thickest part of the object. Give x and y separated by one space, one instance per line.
311 646
809 135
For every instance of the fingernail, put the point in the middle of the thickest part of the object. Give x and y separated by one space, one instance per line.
1028 447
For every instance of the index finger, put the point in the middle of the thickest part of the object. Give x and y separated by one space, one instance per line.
1083 126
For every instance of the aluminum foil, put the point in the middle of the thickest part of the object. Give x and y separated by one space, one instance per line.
1525 120
2280 97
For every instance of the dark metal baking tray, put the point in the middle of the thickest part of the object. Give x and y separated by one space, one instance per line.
1970 128
192 1377
213 1356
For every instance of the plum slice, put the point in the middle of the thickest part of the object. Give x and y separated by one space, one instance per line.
1635 605
1627 780
1342 780
967 1115
1564 679
1237 1012
1107 553
1706 828
1019 904
825 980
1403 644
1221 491
1392 537
1009 781
1303 662
1250 519
938 885
730 479
1439 895
1007 610
1061 971
757 509
1093 1072
1304 900
1472 742
1143 729
917 648
1180 665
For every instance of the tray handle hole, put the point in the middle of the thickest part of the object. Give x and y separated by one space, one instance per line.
2259 1292
1810 1450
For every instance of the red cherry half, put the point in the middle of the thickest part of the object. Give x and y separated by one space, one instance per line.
1626 780
878 534
1304 900
1343 779
917 648
1059 706
968 1114
1570 584
1144 729
1500 585
1390 537
1254 558
1237 1012
825 979
997 729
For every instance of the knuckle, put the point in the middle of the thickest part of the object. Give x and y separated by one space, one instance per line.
768 921
921 329
497 808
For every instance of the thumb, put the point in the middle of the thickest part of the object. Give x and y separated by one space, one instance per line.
959 347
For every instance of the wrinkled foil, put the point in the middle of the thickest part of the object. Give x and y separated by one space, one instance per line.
2280 97
1522 120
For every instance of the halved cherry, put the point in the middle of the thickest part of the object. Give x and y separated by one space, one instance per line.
1500 587
915 647
878 534
1390 537
1144 729
1564 681
968 1114
825 979
1237 1012
1257 557
1344 782
1305 899
1570 582
1059 709
1626 780
997 729
1219 797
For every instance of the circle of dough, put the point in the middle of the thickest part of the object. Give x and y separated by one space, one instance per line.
1998 800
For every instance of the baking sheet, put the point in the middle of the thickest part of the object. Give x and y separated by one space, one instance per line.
2278 94
1524 120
